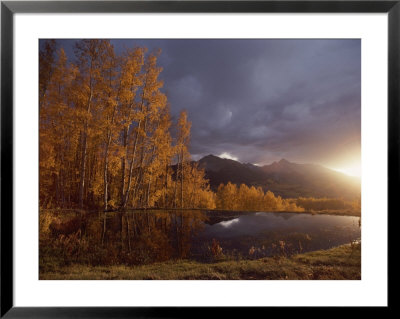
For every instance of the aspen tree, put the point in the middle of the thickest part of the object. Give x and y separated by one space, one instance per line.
182 148
90 54
108 114
46 68
130 81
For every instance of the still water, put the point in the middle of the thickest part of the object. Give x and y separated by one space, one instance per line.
265 234
139 237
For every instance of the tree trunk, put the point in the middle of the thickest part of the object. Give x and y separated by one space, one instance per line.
84 144
166 186
148 193
182 178
128 188
105 175
123 164
83 169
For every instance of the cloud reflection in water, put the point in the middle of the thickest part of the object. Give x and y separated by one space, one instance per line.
229 223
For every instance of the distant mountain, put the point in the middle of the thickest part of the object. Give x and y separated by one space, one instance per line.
283 178
221 170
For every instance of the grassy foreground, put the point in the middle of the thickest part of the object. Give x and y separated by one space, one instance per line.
342 262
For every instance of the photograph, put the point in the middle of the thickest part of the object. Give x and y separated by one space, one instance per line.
199 159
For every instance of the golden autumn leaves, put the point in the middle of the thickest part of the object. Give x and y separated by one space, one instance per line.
231 197
105 133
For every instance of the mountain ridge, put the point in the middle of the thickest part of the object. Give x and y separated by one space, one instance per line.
283 178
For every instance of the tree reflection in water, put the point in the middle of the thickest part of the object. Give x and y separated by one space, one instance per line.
142 237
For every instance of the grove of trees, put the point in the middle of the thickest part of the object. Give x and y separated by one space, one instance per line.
231 197
318 204
105 133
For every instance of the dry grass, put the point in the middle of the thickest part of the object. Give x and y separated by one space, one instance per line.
342 263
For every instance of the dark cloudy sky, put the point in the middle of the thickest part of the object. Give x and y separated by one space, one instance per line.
263 100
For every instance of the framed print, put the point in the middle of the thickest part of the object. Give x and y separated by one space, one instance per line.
161 155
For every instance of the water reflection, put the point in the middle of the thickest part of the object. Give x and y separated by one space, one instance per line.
265 234
139 237
229 223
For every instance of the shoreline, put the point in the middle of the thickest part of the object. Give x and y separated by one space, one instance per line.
218 211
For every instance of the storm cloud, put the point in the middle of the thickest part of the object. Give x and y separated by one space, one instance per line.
262 100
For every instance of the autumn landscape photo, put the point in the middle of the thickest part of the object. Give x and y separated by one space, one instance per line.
199 159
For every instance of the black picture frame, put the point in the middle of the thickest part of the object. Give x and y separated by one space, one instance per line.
9 8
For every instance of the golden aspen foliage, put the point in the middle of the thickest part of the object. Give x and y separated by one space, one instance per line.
244 198
105 133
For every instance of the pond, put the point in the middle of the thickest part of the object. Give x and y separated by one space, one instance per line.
140 237
264 234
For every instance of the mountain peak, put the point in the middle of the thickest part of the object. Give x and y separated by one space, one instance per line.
211 162
215 158
209 156
284 161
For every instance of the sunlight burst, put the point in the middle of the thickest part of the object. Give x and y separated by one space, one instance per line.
352 170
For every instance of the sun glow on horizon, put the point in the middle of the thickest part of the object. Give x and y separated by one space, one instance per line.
352 170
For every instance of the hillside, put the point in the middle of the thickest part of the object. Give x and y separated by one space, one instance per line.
283 178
